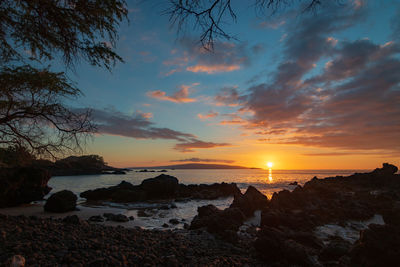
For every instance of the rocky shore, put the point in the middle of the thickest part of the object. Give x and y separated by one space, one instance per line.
308 226
46 242
160 188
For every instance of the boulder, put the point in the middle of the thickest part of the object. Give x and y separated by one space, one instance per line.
387 169
22 185
160 186
251 201
224 223
336 249
379 245
62 201
273 246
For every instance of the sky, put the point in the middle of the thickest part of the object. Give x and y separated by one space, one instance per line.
304 90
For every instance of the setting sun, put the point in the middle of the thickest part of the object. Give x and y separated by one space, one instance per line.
270 164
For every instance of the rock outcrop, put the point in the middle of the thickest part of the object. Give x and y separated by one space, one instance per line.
225 223
250 201
160 187
62 201
333 200
22 185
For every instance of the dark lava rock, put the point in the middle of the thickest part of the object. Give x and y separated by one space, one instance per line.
387 169
160 187
224 223
174 221
251 201
62 201
165 225
379 245
131 218
96 218
335 250
293 183
274 246
22 185
116 217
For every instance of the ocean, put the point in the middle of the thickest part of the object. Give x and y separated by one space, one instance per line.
266 181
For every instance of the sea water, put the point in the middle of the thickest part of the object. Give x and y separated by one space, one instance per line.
266 181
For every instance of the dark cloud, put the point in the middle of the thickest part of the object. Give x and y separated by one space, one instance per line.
353 104
228 96
195 143
203 160
138 126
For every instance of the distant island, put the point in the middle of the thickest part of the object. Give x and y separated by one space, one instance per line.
194 166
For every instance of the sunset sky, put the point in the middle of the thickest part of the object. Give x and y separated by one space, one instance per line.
302 90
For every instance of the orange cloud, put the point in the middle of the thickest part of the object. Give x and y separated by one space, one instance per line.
181 96
229 122
211 69
211 114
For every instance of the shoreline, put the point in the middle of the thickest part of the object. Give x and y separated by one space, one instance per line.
335 221
54 242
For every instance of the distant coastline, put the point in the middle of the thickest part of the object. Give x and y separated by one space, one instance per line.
194 166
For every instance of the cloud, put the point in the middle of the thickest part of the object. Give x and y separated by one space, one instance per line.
194 143
353 103
228 96
225 57
145 115
273 24
334 154
211 69
180 96
137 126
210 114
203 160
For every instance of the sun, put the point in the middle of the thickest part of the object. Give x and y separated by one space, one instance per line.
270 164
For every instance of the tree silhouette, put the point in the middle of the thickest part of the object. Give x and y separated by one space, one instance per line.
209 15
34 33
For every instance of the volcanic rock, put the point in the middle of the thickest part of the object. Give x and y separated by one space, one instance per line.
62 201
22 185
251 201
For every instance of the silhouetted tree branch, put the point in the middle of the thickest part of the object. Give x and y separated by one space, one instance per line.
208 15
33 114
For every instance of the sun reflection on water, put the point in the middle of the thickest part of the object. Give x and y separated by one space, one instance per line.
270 175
